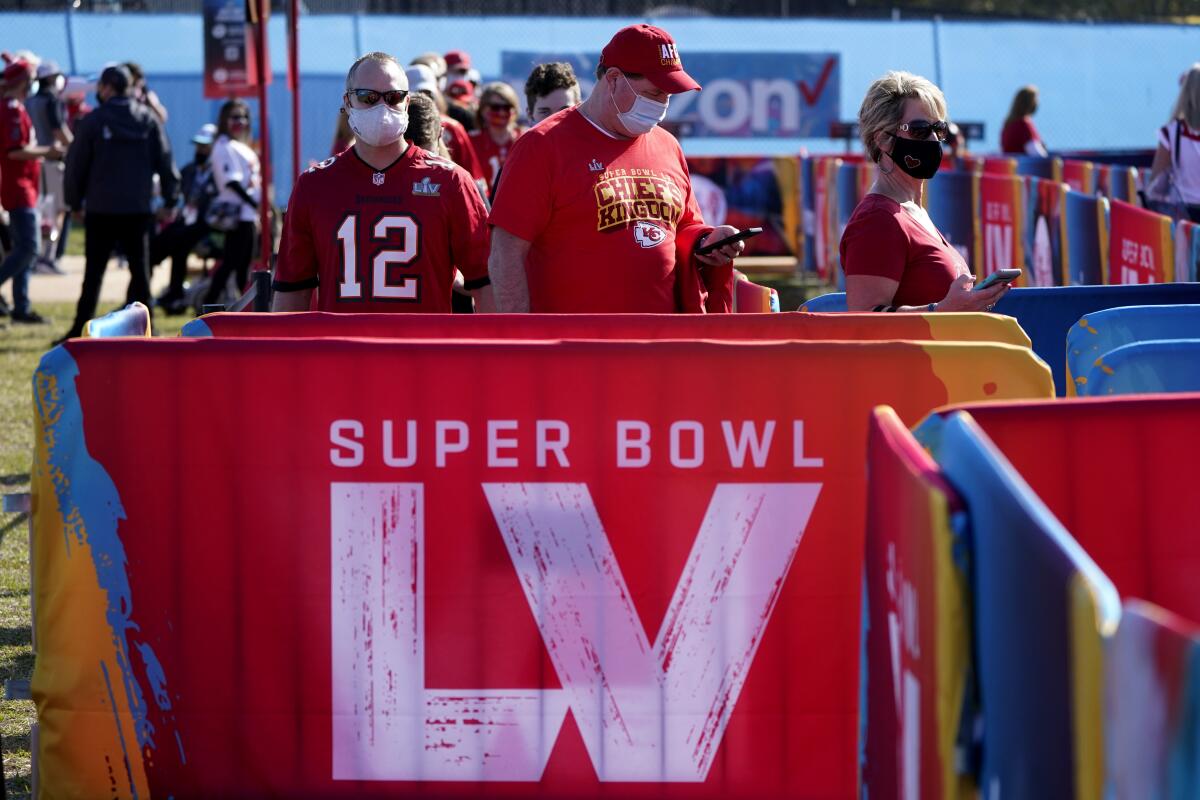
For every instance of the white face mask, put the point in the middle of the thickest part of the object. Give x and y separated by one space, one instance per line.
644 115
379 125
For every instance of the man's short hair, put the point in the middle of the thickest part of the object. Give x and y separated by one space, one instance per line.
547 78
378 57
601 69
424 122
117 78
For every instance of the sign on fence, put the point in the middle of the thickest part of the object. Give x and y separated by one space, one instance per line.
746 94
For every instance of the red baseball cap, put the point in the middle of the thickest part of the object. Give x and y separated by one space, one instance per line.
651 52
460 88
15 69
458 58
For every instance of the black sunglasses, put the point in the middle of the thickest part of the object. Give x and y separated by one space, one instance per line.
920 129
370 97
499 107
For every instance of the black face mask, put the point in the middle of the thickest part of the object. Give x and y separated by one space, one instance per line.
201 159
916 157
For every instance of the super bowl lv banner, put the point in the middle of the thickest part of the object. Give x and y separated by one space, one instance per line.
326 568
1141 248
229 52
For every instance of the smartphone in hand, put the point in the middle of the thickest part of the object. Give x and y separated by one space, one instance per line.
999 276
737 237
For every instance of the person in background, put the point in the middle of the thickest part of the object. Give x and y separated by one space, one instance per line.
1178 153
238 178
142 93
549 89
1020 136
343 137
498 128
20 179
49 115
437 66
381 228
425 125
458 65
462 92
118 150
178 239
894 256
75 96
595 212
457 141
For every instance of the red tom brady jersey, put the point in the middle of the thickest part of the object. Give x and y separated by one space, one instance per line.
383 240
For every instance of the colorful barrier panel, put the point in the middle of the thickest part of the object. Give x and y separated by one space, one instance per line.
950 201
807 215
1146 367
1141 248
825 245
999 165
1187 250
1000 212
918 621
1045 232
1085 254
1152 711
1117 182
1108 470
751 298
132 320
1079 175
748 191
1106 330
1048 314
789 325
854 180
299 634
1036 166
1041 608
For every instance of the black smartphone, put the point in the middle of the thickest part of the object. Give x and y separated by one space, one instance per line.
737 237
999 276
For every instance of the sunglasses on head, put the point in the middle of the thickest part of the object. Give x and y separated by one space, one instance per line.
370 97
920 129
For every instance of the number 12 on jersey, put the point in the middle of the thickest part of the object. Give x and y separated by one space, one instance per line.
408 288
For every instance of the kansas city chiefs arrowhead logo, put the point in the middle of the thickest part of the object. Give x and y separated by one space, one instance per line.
648 235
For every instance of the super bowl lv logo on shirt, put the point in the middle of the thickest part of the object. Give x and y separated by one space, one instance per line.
625 196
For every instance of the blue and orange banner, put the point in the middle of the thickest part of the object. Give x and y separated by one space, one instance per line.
1141 248
1046 232
1079 175
400 584
751 191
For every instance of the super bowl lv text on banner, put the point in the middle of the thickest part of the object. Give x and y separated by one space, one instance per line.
1000 210
612 571
1142 250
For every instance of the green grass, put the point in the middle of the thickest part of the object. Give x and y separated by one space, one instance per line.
21 346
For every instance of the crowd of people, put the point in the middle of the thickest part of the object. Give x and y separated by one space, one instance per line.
443 192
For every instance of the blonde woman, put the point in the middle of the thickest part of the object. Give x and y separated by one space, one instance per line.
894 257
1178 153
498 129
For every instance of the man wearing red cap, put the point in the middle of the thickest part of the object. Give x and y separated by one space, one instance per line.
595 213
20 178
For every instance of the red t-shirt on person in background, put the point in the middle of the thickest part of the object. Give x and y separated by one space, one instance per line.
383 240
491 155
462 152
1017 134
612 222
883 239
19 180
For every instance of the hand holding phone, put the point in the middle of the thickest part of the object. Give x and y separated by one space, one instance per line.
999 276
737 237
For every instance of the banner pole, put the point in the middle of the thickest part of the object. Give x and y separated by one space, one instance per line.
263 67
294 70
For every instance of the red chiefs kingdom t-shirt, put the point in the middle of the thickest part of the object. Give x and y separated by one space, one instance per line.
19 180
605 217
883 239
383 240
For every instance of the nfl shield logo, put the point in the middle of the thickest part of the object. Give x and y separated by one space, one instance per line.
377 179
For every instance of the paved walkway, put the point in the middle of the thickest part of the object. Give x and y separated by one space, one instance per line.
65 288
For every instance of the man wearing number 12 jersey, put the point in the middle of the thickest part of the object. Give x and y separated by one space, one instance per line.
382 226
